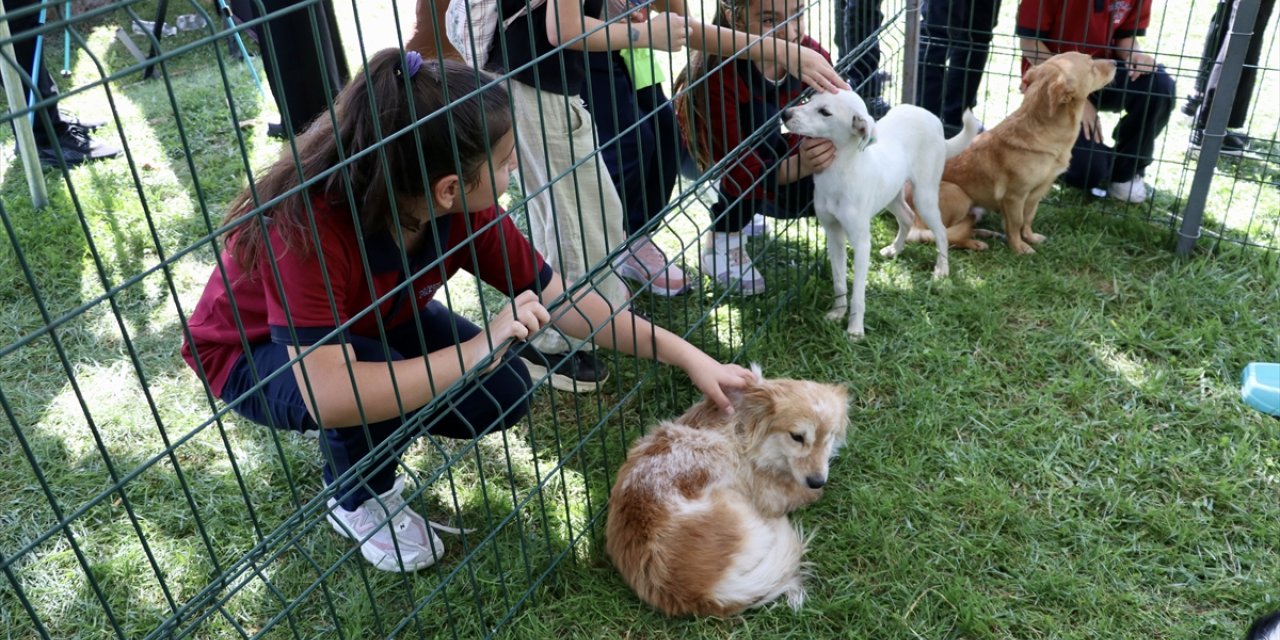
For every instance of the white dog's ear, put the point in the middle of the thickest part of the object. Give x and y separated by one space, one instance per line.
864 129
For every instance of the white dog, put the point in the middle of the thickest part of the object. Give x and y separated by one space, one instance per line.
872 163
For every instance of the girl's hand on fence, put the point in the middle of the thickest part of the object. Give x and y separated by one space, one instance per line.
667 31
715 380
518 320
816 154
812 69
1089 123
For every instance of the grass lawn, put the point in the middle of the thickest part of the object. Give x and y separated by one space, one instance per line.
1049 446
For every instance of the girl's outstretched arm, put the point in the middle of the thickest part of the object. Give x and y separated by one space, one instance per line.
633 335
340 391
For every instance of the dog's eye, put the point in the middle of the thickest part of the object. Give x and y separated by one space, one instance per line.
798 437
824 112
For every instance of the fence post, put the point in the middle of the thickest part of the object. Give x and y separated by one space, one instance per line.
22 126
911 53
1242 24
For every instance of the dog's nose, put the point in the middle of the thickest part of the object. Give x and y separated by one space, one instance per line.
815 482
786 115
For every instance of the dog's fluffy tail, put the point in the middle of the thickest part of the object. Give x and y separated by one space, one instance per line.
958 142
768 567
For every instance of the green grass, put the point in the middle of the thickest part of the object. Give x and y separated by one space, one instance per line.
1041 447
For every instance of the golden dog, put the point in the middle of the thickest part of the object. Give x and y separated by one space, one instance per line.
698 515
1012 166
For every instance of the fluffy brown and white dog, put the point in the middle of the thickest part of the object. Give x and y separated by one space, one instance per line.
1010 167
698 515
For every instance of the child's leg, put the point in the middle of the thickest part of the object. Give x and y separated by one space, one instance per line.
1090 166
665 163
280 404
1147 103
576 221
496 400
611 99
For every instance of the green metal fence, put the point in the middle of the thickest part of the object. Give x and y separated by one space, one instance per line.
138 505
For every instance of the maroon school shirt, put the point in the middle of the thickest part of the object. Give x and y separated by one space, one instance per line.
1088 26
496 251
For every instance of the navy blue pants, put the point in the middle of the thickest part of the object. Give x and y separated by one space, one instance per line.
1146 104
639 137
955 38
497 400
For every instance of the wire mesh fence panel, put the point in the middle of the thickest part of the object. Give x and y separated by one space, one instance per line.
327 279
264 335
1189 41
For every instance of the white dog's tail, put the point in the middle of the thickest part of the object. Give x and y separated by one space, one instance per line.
958 142
770 565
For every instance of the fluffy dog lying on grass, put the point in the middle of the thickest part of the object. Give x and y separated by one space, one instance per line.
698 515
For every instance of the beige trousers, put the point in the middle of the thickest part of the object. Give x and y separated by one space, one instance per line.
577 220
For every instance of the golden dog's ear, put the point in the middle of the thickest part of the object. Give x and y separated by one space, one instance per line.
1031 77
1061 90
754 411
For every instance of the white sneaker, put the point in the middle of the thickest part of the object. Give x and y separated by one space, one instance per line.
408 544
725 259
1133 191
757 227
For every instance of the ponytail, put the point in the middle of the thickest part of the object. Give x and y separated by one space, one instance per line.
692 102
398 109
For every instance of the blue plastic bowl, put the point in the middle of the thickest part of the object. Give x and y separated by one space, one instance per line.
1260 388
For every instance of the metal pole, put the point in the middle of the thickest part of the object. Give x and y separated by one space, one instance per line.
911 51
66 40
1246 14
26 138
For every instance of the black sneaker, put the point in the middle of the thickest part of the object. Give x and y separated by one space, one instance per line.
75 147
1192 106
576 371
877 107
1233 144
88 125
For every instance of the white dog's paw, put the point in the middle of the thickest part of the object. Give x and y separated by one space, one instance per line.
855 332
891 251
836 314
941 271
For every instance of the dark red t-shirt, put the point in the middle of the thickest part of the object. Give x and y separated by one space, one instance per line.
1088 26
323 297
741 103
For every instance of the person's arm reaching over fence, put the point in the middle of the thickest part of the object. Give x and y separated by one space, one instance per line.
586 312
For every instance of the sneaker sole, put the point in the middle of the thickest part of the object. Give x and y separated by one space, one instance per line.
382 561
633 274
752 288
561 381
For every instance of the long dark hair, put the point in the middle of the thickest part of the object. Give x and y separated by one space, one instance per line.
376 105
690 88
